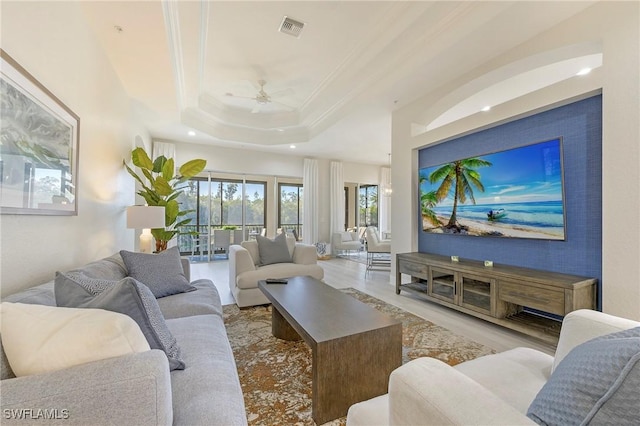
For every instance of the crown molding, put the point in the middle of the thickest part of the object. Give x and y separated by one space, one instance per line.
197 119
172 28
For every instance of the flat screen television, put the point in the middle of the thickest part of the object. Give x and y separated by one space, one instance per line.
516 193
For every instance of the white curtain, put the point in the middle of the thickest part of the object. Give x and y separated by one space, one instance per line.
384 201
336 197
169 151
310 201
164 148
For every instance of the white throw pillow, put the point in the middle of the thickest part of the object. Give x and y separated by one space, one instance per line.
40 339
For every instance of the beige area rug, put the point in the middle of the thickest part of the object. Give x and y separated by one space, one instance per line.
276 375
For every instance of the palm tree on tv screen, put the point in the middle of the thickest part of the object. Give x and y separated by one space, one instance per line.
428 201
462 177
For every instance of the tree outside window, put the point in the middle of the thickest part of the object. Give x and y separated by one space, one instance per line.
290 208
222 204
368 208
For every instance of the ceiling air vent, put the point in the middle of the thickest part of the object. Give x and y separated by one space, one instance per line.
291 26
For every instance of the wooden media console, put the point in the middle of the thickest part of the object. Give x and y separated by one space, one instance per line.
500 294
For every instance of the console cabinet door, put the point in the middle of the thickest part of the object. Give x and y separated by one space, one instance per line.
477 293
442 284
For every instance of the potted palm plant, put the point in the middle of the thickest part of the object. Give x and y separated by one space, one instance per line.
161 186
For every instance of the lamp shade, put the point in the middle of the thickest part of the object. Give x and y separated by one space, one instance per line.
140 217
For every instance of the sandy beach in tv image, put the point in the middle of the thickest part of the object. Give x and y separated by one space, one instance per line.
516 193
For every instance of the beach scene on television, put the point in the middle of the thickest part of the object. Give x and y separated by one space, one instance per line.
516 193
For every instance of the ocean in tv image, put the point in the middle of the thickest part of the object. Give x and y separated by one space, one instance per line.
515 193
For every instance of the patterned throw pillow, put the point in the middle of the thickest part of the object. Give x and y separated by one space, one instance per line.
161 272
126 296
598 382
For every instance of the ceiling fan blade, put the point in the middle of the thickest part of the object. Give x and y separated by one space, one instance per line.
289 107
282 93
231 95
256 109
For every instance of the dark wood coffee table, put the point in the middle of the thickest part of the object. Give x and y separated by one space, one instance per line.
354 346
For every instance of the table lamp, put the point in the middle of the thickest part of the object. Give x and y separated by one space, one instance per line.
145 218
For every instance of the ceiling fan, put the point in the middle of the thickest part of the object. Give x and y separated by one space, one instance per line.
263 98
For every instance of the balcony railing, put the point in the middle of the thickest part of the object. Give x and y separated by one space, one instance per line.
191 241
290 228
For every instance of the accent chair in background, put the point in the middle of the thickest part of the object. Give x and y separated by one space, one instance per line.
345 241
378 250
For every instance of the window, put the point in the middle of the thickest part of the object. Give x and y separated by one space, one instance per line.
346 207
220 204
368 210
255 202
290 208
195 198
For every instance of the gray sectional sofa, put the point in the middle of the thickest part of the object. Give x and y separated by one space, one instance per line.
139 388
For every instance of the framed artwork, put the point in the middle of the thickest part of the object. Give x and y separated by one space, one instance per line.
516 193
39 146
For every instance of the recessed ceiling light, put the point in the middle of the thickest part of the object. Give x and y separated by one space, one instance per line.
584 71
486 108
292 146
191 133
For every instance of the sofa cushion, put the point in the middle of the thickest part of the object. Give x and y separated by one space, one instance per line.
598 382
40 339
210 382
273 251
291 244
249 279
162 272
39 295
204 301
126 296
496 372
254 251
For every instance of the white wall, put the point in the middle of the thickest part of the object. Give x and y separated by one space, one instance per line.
52 42
616 27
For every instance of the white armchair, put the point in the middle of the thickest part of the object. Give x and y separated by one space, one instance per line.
245 270
494 389
345 241
378 250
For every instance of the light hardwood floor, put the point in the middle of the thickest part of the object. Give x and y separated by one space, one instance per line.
344 273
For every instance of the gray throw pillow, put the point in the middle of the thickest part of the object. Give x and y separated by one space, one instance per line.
161 272
273 251
598 382
126 296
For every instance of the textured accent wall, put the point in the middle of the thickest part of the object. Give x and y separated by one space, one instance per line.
580 125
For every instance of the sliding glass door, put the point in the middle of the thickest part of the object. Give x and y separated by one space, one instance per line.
290 208
368 211
220 204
